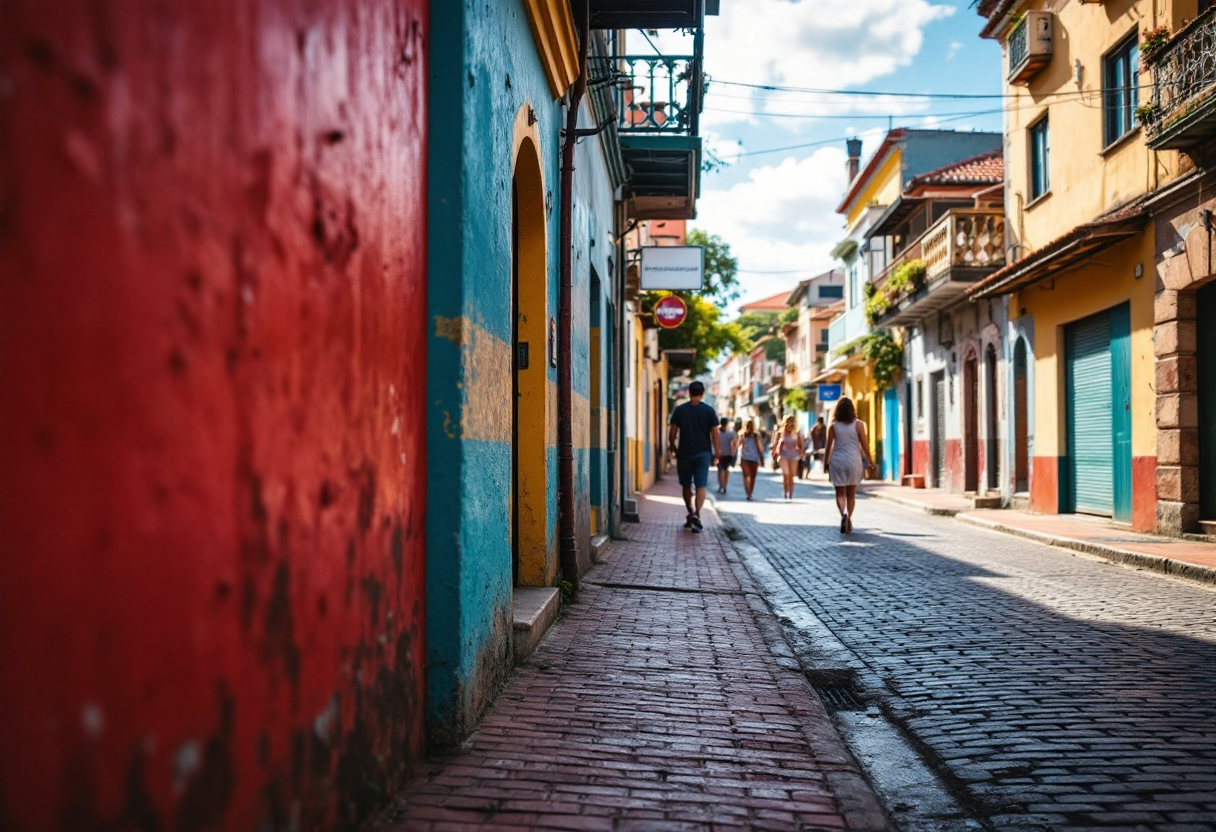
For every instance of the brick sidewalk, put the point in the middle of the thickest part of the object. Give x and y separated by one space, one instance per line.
655 703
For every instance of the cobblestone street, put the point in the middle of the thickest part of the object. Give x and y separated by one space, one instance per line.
1046 690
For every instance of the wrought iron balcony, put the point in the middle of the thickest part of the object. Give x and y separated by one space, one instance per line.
659 94
1029 45
962 247
658 106
1183 112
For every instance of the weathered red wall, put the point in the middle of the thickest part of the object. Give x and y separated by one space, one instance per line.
212 311
1144 493
956 477
921 460
1045 484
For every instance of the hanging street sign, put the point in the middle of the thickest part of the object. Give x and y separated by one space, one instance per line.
829 392
673 268
670 311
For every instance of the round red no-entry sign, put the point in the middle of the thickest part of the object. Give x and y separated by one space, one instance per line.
670 311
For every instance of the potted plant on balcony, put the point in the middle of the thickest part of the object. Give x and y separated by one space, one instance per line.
876 304
907 279
1146 114
1151 44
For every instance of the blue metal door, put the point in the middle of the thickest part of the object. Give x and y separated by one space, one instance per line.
891 423
1098 407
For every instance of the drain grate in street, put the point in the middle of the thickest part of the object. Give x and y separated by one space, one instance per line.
839 699
836 688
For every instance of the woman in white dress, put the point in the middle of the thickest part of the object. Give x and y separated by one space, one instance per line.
847 459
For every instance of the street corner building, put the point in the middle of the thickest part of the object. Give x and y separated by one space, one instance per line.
324 374
1110 284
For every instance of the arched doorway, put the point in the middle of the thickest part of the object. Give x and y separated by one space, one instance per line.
531 563
992 446
971 400
1021 425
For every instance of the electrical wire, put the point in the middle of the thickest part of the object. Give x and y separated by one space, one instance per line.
879 94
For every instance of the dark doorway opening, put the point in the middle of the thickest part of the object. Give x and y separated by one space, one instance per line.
937 429
971 402
992 443
1021 424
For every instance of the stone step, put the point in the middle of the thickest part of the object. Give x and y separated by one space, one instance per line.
629 512
533 609
599 545
986 500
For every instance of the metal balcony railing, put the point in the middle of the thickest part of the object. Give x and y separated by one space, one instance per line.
660 94
1184 84
1019 46
965 238
845 330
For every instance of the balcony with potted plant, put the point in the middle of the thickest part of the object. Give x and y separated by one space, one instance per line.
1182 115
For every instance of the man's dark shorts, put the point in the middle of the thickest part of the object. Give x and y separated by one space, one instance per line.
694 469
725 463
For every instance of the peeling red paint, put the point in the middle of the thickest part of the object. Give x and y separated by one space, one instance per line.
212 313
920 459
1045 484
1144 493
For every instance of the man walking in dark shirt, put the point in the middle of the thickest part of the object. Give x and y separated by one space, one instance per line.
692 437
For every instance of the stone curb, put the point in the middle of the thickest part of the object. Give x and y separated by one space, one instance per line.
1139 560
916 504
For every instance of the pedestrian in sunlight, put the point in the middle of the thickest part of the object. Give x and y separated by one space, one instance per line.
789 448
728 442
751 454
692 436
847 459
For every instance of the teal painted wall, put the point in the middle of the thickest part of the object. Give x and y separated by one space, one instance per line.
483 68
594 248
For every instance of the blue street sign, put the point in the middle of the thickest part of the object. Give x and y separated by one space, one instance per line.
829 392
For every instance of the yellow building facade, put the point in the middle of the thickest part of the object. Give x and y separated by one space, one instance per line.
1081 274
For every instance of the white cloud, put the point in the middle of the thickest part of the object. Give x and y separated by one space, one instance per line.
830 44
781 223
782 218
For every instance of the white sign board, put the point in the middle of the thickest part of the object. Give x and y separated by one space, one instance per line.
673 267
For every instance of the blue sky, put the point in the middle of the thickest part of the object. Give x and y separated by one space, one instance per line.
777 209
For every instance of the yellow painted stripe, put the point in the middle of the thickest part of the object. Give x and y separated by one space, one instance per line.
485 413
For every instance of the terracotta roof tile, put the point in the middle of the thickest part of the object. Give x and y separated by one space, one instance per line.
773 303
987 167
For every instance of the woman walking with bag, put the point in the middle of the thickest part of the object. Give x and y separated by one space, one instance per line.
847 459
751 454
788 449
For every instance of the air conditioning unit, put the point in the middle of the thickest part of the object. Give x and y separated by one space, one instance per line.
1029 46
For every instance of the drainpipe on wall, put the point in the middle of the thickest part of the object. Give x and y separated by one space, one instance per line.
567 543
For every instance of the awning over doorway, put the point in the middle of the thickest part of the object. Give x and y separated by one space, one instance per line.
1063 253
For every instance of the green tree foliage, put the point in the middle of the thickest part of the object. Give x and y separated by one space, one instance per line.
755 325
703 330
887 355
774 349
721 269
797 399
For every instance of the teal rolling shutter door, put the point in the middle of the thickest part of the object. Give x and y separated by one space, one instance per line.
1090 427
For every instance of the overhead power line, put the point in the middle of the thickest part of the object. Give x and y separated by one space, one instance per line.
880 93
